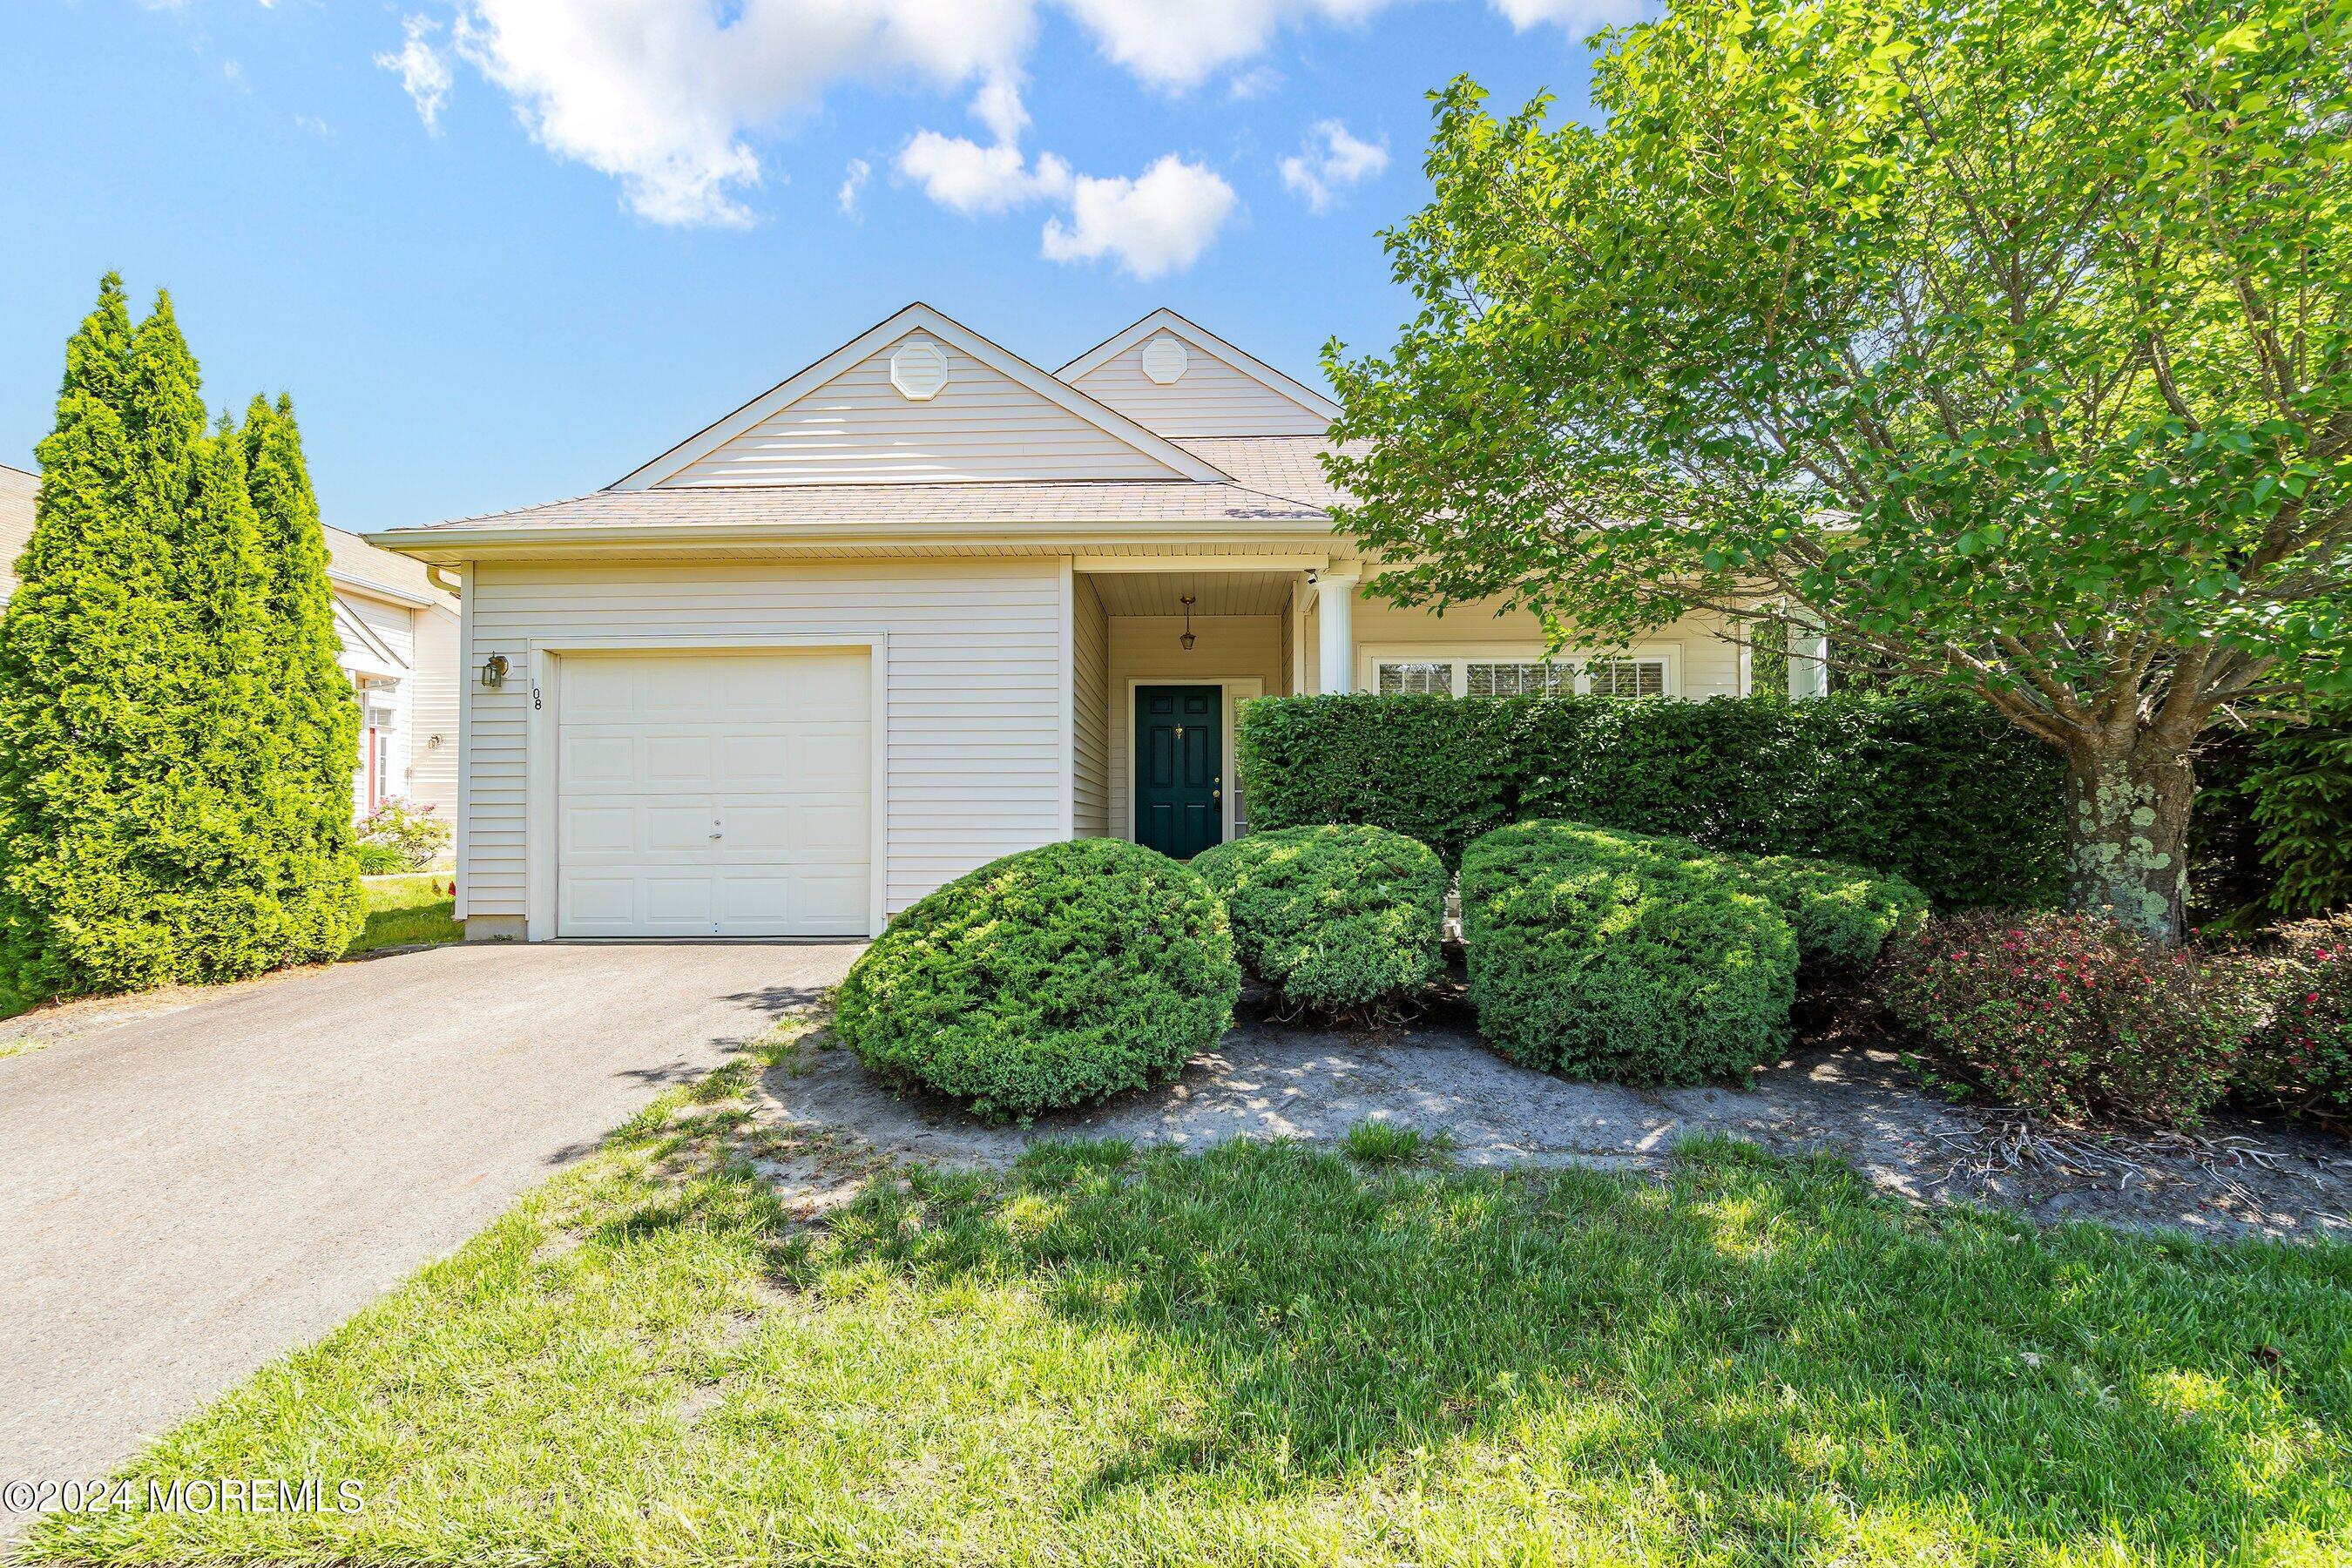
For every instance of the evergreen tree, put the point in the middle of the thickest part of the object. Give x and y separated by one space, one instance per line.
167 739
315 712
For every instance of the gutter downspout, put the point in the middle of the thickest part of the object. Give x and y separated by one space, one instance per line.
433 575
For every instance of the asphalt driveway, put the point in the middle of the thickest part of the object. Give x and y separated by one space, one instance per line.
185 1195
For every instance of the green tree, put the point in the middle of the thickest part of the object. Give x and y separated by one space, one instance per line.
317 716
2009 340
161 813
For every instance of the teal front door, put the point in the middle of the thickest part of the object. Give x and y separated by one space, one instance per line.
1179 758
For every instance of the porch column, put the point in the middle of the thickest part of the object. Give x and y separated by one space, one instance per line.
1336 605
1809 655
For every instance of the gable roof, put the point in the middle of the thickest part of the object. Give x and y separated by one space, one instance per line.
867 434
1230 394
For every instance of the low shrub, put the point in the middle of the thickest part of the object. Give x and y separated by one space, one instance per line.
1842 915
1048 978
411 833
1338 917
2300 1055
381 859
2070 1015
1611 955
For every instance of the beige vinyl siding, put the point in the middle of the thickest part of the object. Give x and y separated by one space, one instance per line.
857 429
1708 665
1089 712
18 491
1145 648
433 713
973 753
1210 398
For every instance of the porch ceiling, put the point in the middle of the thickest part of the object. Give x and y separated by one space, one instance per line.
1214 592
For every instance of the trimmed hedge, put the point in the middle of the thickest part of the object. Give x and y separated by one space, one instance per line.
1936 788
1053 977
1335 916
1611 955
1842 915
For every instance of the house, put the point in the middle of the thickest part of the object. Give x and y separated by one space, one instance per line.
17 488
920 606
398 632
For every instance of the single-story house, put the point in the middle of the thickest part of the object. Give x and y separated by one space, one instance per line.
17 489
918 606
398 635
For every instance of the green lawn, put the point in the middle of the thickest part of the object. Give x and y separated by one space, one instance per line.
404 911
1270 1354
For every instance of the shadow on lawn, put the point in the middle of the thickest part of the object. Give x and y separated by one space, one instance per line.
1784 1354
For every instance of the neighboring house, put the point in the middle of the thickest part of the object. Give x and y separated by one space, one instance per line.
921 606
398 629
17 488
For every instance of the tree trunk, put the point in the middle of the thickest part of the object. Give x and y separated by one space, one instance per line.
2128 833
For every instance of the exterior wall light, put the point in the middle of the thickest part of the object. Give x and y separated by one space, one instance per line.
494 671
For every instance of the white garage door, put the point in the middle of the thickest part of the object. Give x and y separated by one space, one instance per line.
714 795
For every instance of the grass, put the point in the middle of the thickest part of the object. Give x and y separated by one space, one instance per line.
407 911
1390 1143
1269 1355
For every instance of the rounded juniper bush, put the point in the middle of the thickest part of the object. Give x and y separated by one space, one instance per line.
1335 916
1049 978
1614 955
1842 915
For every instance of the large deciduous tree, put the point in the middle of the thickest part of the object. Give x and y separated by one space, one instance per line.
2009 341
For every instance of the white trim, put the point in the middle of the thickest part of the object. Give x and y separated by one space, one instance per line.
374 590
450 543
544 662
1228 685
1100 564
1067 586
372 645
465 679
1369 656
1166 321
919 317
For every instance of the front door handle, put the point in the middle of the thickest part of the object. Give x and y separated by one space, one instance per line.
1216 794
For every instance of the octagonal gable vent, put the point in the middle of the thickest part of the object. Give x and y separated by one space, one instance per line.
1164 359
919 369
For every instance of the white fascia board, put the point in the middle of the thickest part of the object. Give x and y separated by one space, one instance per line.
447 547
373 590
919 317
1166 321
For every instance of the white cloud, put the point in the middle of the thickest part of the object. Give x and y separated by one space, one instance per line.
1329 161
1157 223
1577 16
1254 82
424 73
1177 44
661 93
972 178
853 184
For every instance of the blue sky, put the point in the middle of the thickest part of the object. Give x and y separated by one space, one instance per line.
502 252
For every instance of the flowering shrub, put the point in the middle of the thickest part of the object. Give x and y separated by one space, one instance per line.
2070 1015
2300 1055
412 833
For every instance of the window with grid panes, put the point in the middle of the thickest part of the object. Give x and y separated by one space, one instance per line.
1626 677
1529 678
1420 678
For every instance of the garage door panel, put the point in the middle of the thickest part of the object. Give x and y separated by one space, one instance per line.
685 827
838 901
770 752
595 760
598 830
829 835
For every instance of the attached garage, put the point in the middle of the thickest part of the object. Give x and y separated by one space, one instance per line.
714 794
